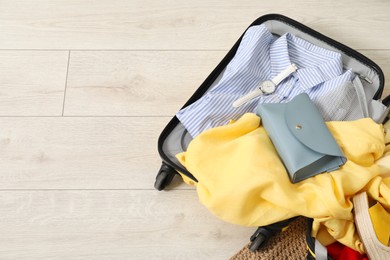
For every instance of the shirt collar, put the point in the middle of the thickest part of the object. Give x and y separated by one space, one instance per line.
315 64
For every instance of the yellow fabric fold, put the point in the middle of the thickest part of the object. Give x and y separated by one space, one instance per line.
380 219
242 180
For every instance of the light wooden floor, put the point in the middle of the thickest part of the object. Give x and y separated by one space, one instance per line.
86 88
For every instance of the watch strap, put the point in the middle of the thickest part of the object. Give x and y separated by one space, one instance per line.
239 102
284 74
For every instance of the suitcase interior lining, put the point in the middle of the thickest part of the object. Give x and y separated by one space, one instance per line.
178 139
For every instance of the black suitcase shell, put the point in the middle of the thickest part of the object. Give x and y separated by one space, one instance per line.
174 138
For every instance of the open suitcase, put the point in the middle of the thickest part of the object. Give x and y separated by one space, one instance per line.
175 138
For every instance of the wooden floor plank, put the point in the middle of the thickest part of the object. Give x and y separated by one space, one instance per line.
126 83
113 225
32 83
173 25
79 153
155 83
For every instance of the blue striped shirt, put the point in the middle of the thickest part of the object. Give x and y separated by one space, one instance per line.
261 56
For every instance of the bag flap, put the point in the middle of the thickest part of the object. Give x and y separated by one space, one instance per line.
306 123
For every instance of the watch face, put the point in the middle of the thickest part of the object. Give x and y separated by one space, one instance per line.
267 87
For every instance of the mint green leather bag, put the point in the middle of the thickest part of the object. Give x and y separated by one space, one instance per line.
301 137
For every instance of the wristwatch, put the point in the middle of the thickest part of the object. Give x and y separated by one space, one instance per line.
266 87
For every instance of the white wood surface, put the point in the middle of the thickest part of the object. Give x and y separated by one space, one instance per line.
154 82
169 24
126 224
32 83
80 152
86 88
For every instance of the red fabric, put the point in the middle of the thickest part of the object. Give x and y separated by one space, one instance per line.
339 251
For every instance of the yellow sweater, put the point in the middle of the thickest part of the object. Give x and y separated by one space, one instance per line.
242 180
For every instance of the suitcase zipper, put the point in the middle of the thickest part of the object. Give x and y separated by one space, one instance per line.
363 77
